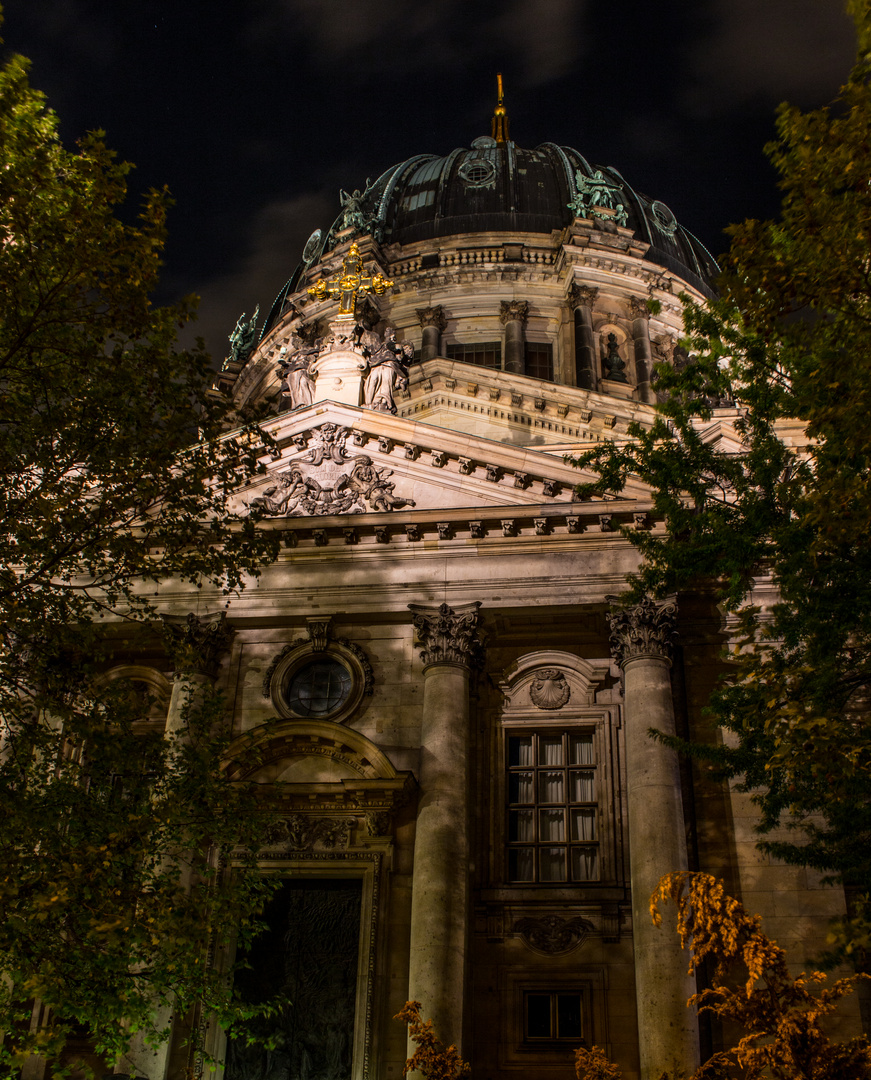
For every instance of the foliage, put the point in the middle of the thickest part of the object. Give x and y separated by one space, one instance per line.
593 1064
114 479
430 1059
782 1016
790 340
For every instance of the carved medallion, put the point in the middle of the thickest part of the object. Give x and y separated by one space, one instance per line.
552 935
549 689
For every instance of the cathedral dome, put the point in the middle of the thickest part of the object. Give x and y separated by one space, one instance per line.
501 187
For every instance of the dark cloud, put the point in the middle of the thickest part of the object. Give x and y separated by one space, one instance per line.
795 50
277 236
256 112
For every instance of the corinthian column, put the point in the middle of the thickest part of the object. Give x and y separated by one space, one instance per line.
196 643
641 639
439 902
582 298
513 315
433 322
643 353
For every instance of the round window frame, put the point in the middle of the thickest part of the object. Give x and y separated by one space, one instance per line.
289 666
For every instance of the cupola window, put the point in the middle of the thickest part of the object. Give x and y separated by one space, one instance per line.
486 354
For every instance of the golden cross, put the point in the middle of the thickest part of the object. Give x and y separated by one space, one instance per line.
350 283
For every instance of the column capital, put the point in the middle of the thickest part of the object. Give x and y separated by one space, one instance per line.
638 307
513 311
645 630
196 642
448 635
582 295
432 316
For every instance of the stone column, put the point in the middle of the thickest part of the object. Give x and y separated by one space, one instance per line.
641 638
433 322
643 352
513 315
196 644
582 298
439 902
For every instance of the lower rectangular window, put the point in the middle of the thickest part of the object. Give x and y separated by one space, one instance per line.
553 1017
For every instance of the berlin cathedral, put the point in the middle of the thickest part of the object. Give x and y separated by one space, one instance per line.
475 815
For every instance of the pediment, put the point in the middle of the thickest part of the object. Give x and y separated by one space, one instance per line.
341 460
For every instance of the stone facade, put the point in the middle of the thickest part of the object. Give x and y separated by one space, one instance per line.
433 669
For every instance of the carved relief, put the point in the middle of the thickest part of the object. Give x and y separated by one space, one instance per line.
196 642
379 823
549 689
513 311
448 635
647 629
583 295
321 482
301 832
552 935
432 316
638 308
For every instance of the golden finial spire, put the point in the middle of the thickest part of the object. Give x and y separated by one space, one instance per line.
499 124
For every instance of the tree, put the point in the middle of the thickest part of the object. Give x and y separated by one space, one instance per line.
780 1015
430 1058
115 473
790 339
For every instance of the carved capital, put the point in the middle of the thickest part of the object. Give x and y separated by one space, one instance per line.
583 295
448 635
319 628
638 308
645 630
432 316
513 311
196 642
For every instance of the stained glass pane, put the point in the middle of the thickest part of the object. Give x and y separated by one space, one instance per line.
550 750
520 750
538 1016
585 864
521 826
582 786
581 749
568 1017
551 825
551 787
521 864
552 864
520 787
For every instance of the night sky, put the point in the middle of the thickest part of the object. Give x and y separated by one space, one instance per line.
256 112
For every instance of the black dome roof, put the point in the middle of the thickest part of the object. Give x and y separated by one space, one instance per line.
500 187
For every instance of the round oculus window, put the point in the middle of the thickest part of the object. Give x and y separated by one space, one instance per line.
665 220
318 688
477 172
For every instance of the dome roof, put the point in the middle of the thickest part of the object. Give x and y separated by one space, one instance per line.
500 187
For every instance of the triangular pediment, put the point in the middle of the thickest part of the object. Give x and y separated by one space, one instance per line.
336 459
